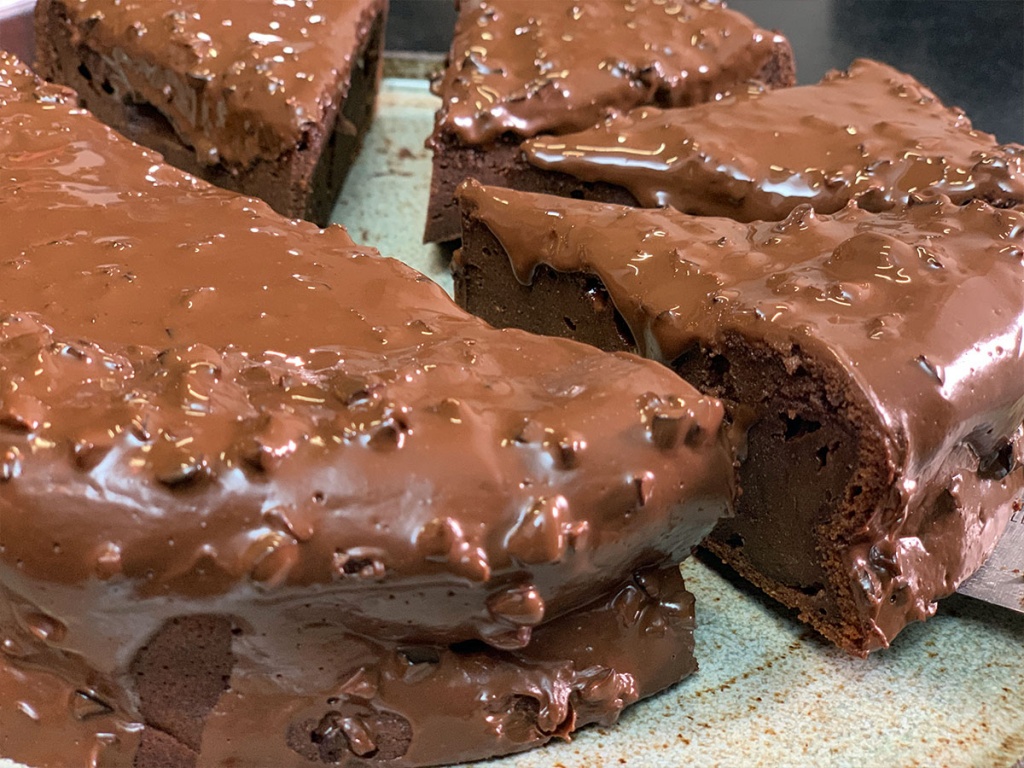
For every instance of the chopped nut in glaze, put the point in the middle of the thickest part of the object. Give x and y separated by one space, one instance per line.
238 80
871 133
552 66
222 422
913 321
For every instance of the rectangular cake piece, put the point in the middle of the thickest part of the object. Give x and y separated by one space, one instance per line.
871 133
270 99
874 363
521 68
270 499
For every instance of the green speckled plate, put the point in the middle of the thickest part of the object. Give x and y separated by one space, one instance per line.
948 694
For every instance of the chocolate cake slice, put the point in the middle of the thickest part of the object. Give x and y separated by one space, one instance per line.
871 133
872 363
267 98
267 498
520 68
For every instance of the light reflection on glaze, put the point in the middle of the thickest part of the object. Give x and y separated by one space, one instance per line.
239 80
537 66
207 408
920 309
872 132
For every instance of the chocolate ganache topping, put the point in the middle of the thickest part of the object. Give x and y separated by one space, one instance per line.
915 315
223 425
871 133
238 80
554 66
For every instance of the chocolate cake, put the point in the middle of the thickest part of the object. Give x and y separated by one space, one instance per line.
519 68
270 99
873 363
267 498
871 133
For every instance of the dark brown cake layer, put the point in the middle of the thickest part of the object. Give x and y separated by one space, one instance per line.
253 476
254 96
873 361
520 68
871 133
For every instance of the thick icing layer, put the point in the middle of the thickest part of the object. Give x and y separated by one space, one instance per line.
871 132
238 80
919 309
208 409
553 66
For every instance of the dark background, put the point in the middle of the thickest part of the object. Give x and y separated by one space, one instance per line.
970 52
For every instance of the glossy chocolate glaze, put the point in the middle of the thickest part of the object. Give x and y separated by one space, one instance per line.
916 313
238 80
208 409
871 132
552 66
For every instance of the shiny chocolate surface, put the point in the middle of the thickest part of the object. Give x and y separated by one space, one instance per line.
210 410
918 312
238 80
870 132
543 66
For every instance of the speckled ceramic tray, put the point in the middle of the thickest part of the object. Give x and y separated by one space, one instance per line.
948 694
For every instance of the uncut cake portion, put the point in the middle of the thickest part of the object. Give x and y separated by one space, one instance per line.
270 98
267 498
872 133
872 365
519 68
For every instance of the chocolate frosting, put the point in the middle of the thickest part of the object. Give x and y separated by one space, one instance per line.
238 80
540 66
871 133
920 309
208 409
